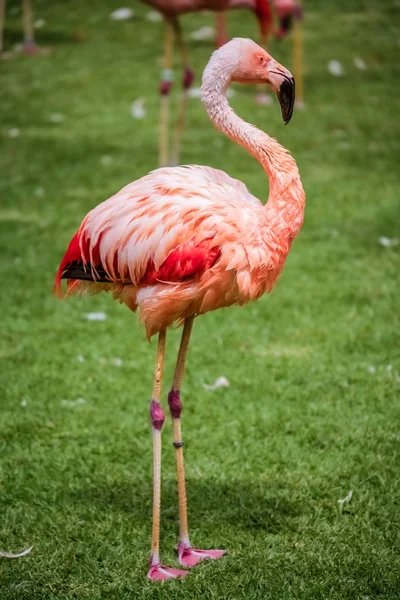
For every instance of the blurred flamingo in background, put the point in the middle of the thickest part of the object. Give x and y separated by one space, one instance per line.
182 241
171 10
286 11
261 9
29 34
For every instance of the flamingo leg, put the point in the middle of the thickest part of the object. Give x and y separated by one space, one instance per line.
265 21
222 34
298 58
188 556
157 571
165 90
29 35
2 17
187 80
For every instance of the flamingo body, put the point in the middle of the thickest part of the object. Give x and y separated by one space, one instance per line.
177 242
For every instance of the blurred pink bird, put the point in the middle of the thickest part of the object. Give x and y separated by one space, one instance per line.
261 9
286 11
186 240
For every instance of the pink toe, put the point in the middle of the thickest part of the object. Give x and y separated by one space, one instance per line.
188 557
31 48
161 573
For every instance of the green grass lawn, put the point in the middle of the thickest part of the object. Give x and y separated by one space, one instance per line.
313 407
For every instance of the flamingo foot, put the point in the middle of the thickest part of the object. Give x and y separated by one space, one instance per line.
31 48
161 573
189 557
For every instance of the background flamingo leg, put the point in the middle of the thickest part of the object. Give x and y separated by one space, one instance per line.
264 16
188 556
165 90
2 17
30 46
222 33
157 571
298 58
187 80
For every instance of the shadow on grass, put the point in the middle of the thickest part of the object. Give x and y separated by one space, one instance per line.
235 503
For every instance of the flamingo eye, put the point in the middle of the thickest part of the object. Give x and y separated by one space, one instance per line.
261 60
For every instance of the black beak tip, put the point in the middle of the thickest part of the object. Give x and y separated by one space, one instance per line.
286 97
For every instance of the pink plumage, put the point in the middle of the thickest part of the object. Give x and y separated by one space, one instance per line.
179 241
182 241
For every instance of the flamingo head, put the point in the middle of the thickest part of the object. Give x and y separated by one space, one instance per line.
254 65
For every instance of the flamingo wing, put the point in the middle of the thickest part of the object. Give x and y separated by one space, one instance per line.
164 227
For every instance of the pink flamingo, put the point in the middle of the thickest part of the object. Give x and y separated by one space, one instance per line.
182 241
171 10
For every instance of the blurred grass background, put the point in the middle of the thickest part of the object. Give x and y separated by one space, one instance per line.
312 410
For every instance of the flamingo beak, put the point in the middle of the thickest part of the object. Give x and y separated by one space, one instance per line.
286 97
282 83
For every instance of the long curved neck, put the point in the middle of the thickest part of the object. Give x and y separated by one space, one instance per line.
286 194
